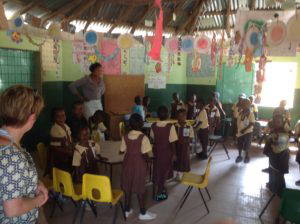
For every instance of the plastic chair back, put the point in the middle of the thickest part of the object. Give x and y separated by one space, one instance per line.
62 182
207 172
290 205
97 188
42 155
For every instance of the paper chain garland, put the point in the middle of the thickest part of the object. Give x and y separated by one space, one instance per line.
107 58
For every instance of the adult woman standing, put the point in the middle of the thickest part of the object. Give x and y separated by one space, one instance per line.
92 87
21 194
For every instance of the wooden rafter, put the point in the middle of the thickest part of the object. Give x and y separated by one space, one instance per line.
22 3
168 18
137 24
62 11
135 2
93 14
123 17
26 8
86 4
252 4
227 18
192 19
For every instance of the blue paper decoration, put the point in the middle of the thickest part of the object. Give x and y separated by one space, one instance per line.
187 44
91 38
18 22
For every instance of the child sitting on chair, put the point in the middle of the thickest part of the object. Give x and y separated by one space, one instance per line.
138 107
277 150
214 117
97 127
185 134
135 145
61 149
245 123
164 137
86 155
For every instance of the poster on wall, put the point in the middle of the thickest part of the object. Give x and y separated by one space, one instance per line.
47 57
137 64
110 56
157 81
204 66
81 53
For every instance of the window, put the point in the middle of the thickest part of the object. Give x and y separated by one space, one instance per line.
280 79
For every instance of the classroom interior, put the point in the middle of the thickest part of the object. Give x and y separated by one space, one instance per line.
205 46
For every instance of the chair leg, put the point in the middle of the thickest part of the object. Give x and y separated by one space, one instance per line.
83 211
123 210
78 210
93 207
212 148
266 206
55 197
116 214
75 204
203 200
185 196
208 193
225 148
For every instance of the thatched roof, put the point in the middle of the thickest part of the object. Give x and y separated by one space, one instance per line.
191 15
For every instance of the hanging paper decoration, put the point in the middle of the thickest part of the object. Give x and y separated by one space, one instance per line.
202 44
213 50
196 63
18 22
91 38
187 44
221 55
172 45
54 30
125 41
158 68
276 33
252 37
14 36
293 31
93 58
230 61
110 56
154 53
237 37
248 59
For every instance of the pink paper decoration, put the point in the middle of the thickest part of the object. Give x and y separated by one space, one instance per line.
202 45
221 55
154 53
111 67
213 50
172 45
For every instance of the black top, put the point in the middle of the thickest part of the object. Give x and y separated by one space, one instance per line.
75 123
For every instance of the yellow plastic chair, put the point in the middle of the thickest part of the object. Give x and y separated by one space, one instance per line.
122 128
196 181
63 186
96 188
42 157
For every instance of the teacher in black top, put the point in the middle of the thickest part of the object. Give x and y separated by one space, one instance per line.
92 87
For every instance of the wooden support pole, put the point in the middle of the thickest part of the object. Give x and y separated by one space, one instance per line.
227 19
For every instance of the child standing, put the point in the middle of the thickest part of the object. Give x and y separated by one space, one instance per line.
77 119
236 108
276 149
202 128
245 123
176 105
86 154
297 136
135 145
61 141
138 107
97 127
214 117
254 107
192 107
185 134
146 104
164 137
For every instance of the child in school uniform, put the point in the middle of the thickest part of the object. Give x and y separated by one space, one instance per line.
76 119
135 145
214 117
192 107
164 137
176 105
202 128
245 123
297 136
86 154
254 107
236 108
61 148
97 127
276 148
185 133
138 108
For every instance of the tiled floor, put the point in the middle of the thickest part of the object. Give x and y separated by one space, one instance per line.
238 194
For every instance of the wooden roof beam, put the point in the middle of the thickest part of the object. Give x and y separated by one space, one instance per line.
26 8
123 17
86 4
137 24
252 4
62 11
93 14
227 19
177 9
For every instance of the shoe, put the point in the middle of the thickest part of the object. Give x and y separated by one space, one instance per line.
161 197
165 195
297 182
239 159
266 170
247 159
127 214
147 216
202 156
